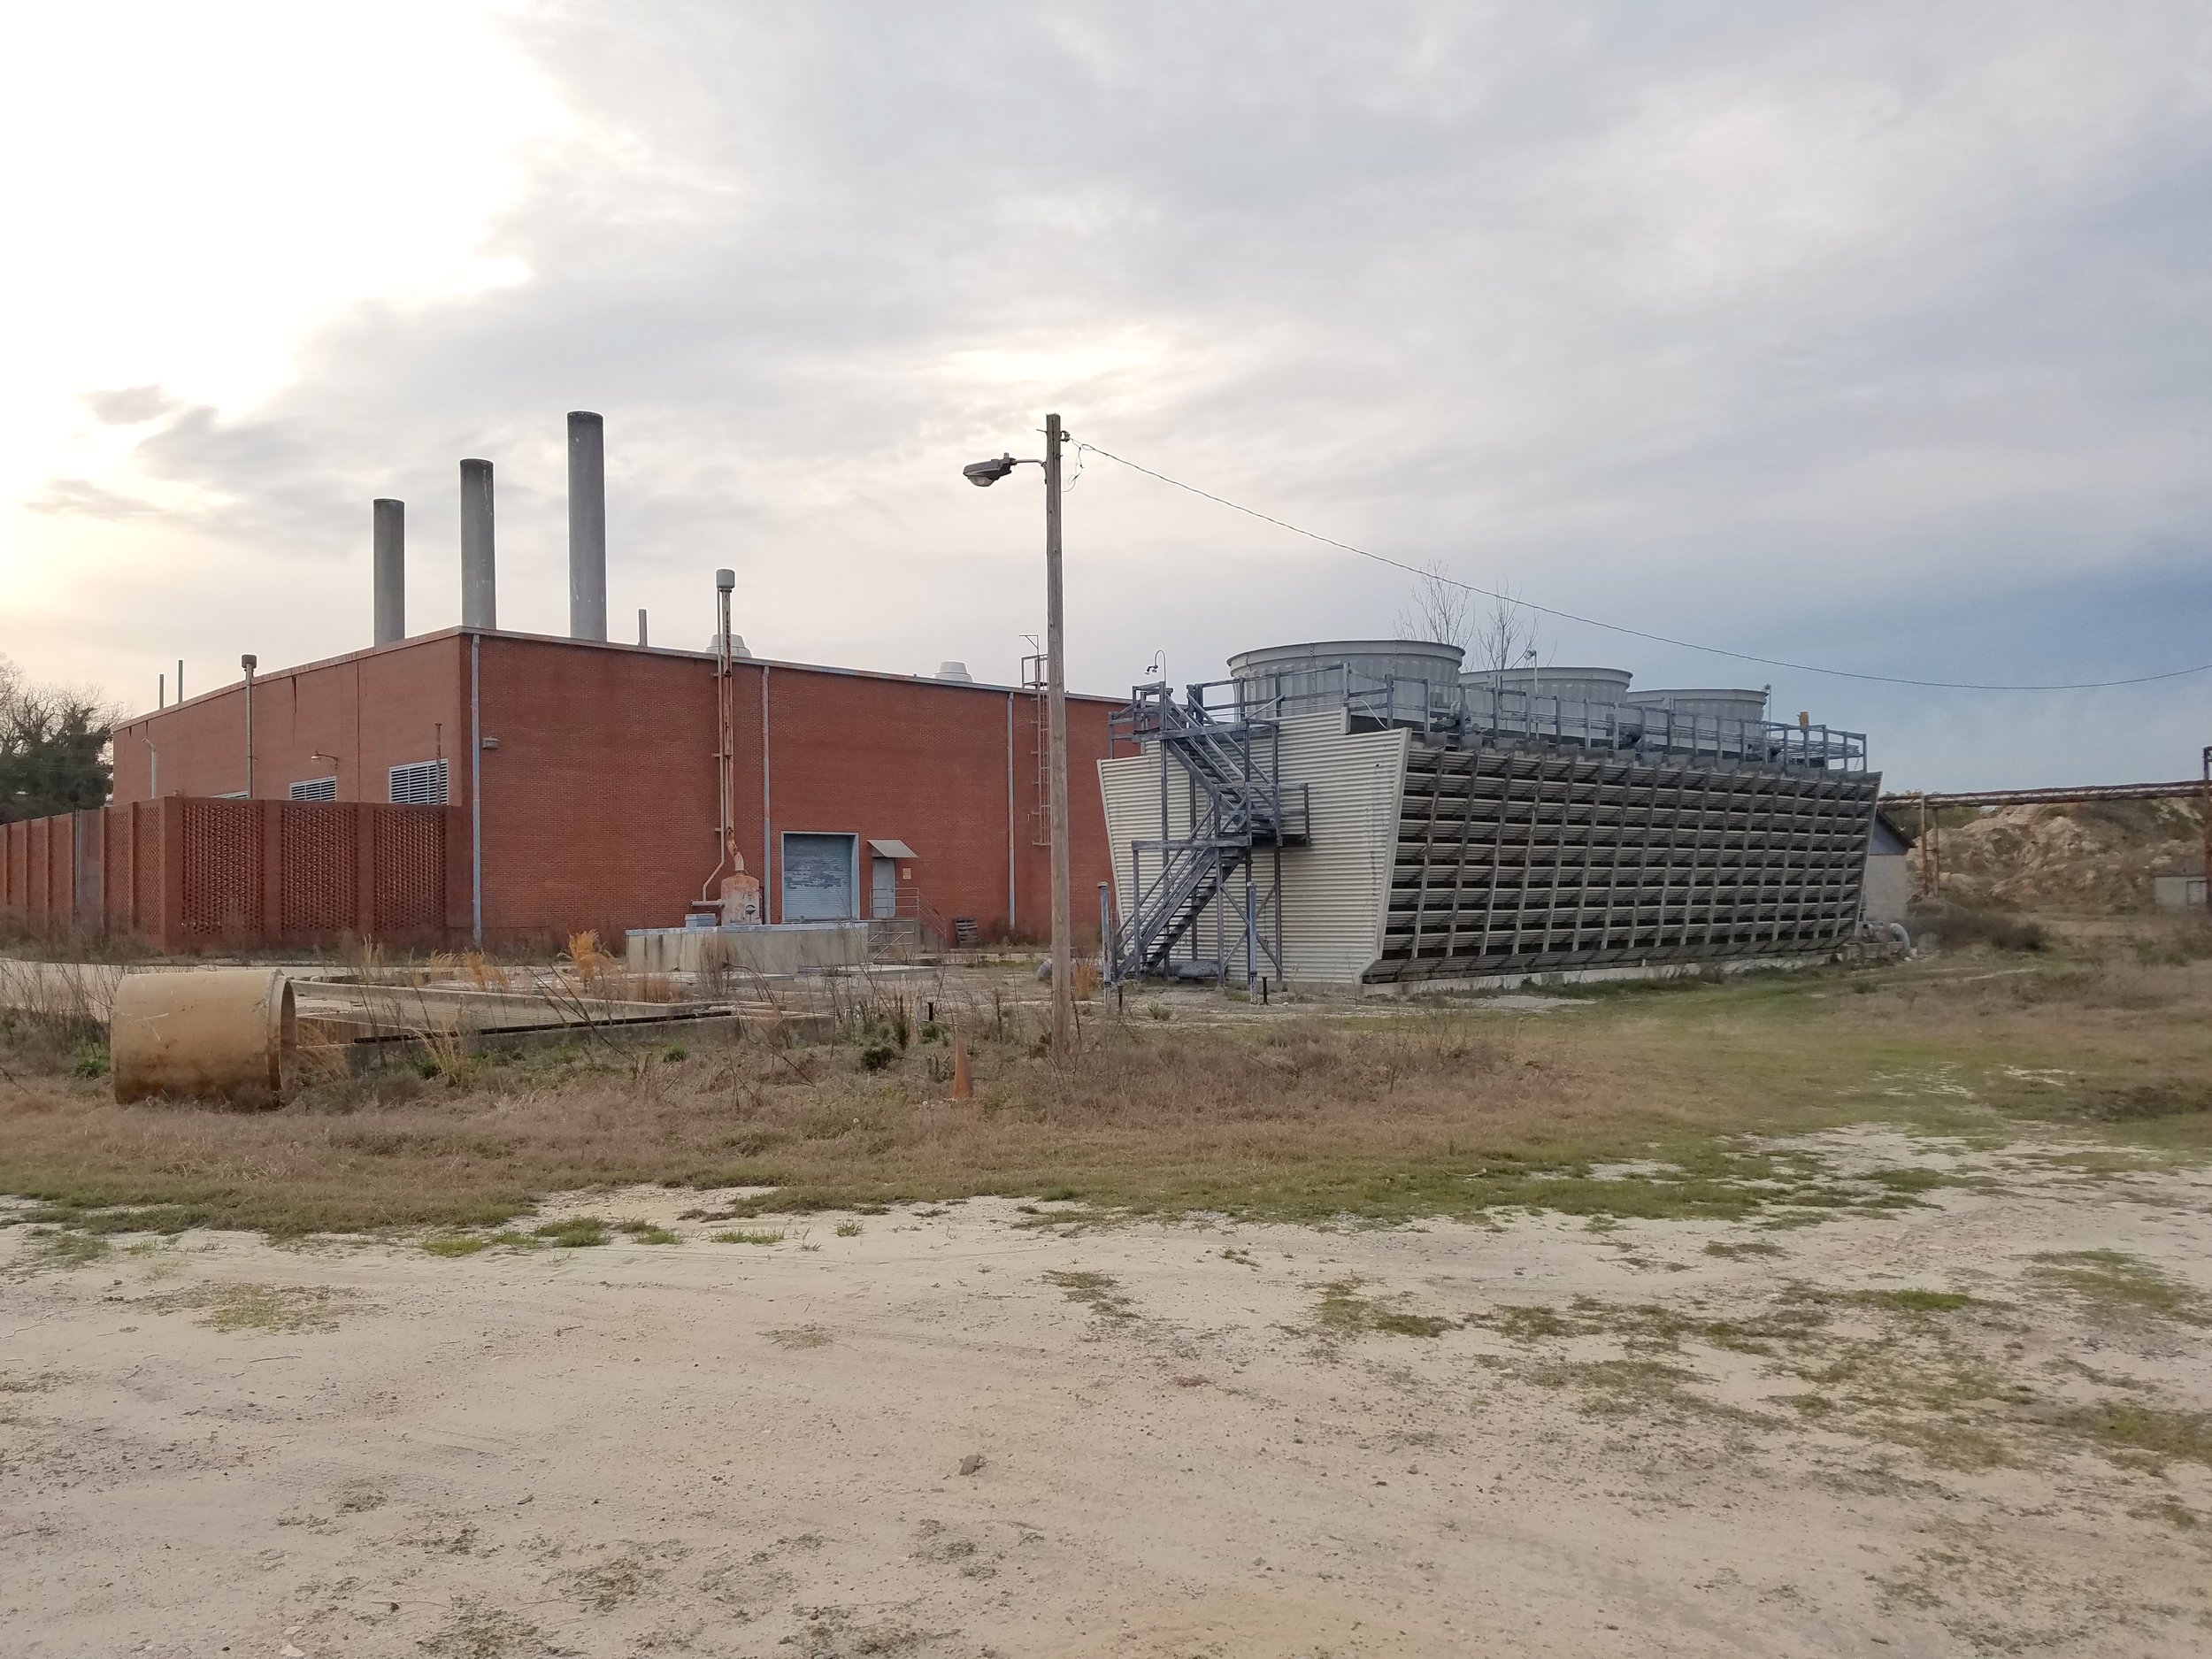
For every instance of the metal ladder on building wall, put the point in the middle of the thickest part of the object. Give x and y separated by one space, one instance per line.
1237 808
1040 751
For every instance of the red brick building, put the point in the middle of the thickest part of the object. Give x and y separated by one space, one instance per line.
584 775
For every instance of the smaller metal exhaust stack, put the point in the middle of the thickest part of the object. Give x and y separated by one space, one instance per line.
388 533
479 596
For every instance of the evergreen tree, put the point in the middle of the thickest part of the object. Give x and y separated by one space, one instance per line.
53 748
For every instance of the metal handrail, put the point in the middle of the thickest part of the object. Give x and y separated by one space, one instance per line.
1237 804
1499 714
910 906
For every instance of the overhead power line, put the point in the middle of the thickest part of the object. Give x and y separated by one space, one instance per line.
1616 627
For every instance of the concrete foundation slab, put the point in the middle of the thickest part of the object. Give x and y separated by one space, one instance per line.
765 948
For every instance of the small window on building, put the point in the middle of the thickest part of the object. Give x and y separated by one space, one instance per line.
315 789
420 783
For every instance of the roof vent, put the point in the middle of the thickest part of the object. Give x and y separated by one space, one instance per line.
956 670
714 646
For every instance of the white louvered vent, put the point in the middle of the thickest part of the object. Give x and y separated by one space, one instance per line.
420 783
315 789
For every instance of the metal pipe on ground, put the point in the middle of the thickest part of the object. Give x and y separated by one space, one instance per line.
479 600
388 537
586 526
224 1033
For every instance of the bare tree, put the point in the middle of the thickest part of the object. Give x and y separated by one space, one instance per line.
1437 608
1494 639
1503 637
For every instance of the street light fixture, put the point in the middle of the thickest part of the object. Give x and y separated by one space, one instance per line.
983 474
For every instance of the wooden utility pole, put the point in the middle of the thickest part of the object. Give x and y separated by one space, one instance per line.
2205 810
1056 718
983 474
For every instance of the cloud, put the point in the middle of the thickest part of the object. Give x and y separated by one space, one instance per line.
1865 335
82 496
131 406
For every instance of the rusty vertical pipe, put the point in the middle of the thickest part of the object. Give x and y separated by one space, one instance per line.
248 663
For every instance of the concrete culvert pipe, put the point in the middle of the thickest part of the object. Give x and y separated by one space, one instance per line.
226 1034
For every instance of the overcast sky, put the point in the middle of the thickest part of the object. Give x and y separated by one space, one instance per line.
1873 336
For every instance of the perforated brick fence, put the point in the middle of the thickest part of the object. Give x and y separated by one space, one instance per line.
185 874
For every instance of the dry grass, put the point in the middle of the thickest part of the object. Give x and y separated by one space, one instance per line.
54 1016
1371 1111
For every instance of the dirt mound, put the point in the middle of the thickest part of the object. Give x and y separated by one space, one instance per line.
2094 855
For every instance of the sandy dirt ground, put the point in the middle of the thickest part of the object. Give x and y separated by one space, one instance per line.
961 1432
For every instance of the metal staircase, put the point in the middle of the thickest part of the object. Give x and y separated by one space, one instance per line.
1226 766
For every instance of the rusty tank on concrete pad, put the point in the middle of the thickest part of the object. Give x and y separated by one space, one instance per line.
224 1033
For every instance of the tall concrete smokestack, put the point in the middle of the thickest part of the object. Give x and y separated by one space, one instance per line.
586 526
479 593
390 538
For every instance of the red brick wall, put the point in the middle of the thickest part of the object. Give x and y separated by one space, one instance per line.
186 873
38 872
599 808
375 710
926 763
599 801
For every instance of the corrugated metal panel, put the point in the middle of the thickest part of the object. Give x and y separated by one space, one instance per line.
1334 887
1889 885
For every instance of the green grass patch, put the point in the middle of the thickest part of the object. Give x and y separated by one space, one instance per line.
801 1336
55 1246
647 1233
739 1236
2118 1284
1913 1300
99 1218
580 1234
285 1309
455 1244
1345 1312
1614 1387
2147 1434
1655 1328
1098 1292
